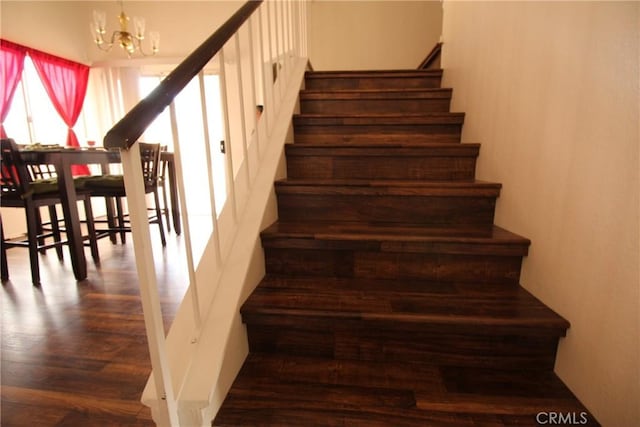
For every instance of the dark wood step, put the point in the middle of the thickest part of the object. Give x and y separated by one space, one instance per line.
354 340
468 205
380 128
442 307
375 101
275 390
492 326
433 162
387 79
359 251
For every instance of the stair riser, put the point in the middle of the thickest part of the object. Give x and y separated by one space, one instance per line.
470 213
429 168
382 264
345 341
377 134
374 106
366 83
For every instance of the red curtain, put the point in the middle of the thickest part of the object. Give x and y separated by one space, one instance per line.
11 65
66 84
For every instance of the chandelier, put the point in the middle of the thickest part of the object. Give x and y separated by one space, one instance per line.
130 42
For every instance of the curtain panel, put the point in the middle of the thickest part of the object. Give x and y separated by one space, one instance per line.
66 84
11 66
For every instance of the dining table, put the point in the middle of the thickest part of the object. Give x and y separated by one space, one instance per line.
62 159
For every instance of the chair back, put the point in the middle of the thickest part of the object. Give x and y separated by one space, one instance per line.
150 158
46 171
162 167
15 178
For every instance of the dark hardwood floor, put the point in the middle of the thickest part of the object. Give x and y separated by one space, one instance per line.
75 353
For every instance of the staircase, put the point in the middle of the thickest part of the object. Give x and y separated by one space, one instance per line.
391 298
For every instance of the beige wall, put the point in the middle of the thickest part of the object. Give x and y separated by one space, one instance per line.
357 35
551 92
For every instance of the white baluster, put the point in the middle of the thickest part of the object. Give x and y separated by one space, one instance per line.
207 145
182 196
224 100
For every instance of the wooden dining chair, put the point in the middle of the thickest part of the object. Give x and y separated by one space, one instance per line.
112 186
40 173
19 190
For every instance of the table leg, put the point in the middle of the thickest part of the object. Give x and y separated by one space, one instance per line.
71 218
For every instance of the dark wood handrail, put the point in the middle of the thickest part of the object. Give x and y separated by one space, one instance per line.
431 57
127 131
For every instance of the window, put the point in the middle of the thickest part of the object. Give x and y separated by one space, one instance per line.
160 130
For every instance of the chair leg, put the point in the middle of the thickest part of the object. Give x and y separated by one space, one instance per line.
156 199
40 231
3 255
91 229
167 211
121 224
111 222
32 227
55 230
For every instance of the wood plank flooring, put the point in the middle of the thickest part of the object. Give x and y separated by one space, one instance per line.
272 390
75 353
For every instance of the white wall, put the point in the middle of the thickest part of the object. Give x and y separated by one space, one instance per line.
358 35
551 91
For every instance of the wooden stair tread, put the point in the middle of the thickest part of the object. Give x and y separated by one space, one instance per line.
374 73
386 94
512 306
503 405
421 377
353 187
384 233
239 411
408 286
380 139
388 183
379 119
272 390
394 148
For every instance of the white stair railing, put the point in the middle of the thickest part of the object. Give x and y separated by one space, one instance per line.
195 362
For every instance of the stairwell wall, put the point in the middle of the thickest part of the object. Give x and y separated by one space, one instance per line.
372 34
551 91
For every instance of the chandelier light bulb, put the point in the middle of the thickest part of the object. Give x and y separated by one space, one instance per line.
138 24
154 36
99 21
95 33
